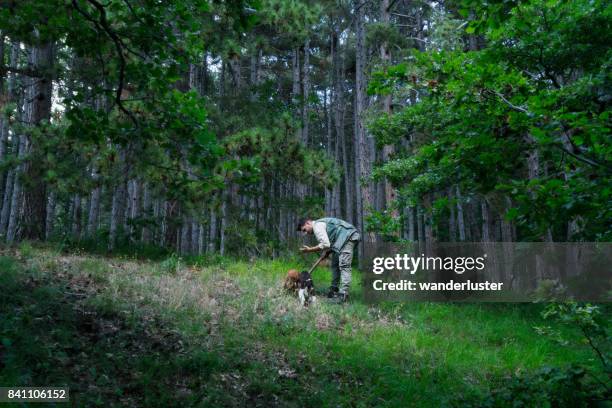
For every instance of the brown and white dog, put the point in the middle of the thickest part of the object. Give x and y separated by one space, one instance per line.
300 282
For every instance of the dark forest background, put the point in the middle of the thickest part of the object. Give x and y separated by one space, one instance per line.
211 127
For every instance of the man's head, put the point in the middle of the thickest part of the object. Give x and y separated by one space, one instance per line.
305 225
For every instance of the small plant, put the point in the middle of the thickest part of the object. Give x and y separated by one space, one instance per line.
592 324
546 387
171 265
26 250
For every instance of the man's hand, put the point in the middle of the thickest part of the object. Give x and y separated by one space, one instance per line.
309 249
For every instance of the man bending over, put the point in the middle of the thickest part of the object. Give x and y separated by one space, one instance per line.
340 237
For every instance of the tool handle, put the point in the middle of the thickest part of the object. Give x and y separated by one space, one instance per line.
322 257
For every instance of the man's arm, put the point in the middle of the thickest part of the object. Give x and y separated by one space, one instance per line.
320 232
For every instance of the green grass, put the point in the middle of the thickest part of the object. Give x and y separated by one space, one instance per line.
136 333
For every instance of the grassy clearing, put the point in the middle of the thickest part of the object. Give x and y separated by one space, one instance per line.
130 332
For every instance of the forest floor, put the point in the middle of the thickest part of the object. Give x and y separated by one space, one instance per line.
141 333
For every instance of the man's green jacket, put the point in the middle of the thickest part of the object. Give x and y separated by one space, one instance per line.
338 231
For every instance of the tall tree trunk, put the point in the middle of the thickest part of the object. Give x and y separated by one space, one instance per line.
76 217
428 221
163 215
534 172
13 145
94 205
234 64
16 194
411 232
6 202
460 216
486 221
349 183
37 109
254 72
135 206
329 146
297 101
212 239
363 194
385 56
51 204
145 234
195 236
306 94
420 224
117 212
5 97
452 220
330 112
185 246
223 226
295 82
201 240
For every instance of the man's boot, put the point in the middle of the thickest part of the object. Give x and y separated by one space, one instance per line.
340 298
333 292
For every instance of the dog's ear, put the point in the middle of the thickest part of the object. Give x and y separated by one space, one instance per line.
291 280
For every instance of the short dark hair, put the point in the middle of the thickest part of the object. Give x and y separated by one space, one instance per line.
301 223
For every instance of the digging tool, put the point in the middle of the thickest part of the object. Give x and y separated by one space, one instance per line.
321 258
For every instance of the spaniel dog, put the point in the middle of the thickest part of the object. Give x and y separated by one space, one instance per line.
300 282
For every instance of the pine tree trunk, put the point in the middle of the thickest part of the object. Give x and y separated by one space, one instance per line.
4 125
306 94
51 204
117 214
452 220
506 226
254 77
185 246
145 234
76 217
163 211
212 238
460 217
412 236
195 237
37 109
223 225
94 206
428 221
6 202
486 221
13 145
295 75
385 56
16 194
201 240
127 210
234 64
341 139
329 190
135 207
363 194
420 225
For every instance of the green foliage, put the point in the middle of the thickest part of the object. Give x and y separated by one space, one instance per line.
546 387
296 17
383 223
593 324
525 118
125 63
171 264
276 152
